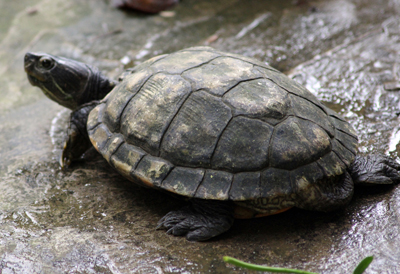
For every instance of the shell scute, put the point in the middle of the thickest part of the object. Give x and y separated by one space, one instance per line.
344 127
193 134
126 158
219 75
305 109
331 165
243 146
152 170
298 142
342 152
289 85
100 135
183 180
153 108
245 185
95 117
259 98
275 183
348 141
215 185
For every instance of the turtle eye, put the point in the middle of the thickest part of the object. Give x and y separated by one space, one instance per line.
46 62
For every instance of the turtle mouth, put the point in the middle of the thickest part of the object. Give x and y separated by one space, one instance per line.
33 80
34 77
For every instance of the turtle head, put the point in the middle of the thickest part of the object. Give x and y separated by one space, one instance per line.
67 82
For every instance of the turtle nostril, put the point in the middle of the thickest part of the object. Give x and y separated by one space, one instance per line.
29 57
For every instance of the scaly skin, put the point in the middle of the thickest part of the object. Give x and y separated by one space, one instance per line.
67 82
77 141
375 169
200 221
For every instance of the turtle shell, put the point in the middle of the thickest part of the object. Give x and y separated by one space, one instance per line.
214 125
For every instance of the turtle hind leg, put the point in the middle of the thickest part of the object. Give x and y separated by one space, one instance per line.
200 221
77 140
375 169
328 195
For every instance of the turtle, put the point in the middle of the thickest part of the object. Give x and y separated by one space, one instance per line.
232 135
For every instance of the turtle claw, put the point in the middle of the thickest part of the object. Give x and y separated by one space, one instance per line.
70 152
161 225
186 222
375 169
64 161
77 141
197 222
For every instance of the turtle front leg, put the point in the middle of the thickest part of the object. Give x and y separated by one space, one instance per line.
200 221
375 169
77 141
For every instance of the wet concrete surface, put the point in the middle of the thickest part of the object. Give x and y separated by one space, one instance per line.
88 219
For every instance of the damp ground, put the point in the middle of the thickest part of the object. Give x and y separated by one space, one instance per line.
88 219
